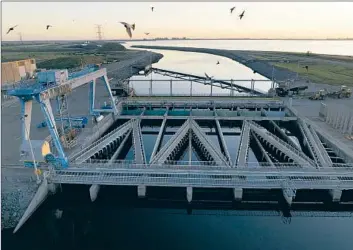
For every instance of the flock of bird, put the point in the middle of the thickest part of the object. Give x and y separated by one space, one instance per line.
129 27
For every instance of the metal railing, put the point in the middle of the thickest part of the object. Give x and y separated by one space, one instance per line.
202 165
206 178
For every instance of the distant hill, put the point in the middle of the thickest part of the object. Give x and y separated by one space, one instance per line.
111 46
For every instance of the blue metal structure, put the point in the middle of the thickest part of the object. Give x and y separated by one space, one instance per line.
58 89
77 122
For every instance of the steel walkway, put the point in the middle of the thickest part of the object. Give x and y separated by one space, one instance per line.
258 178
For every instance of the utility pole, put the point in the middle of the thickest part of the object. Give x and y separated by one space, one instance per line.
99 32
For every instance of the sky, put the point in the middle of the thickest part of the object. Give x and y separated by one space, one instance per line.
314 20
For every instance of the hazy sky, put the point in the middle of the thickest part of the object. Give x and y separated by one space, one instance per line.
193 20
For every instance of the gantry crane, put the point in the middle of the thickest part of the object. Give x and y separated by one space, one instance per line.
57 84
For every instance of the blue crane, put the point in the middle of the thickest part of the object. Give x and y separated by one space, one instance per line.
57 84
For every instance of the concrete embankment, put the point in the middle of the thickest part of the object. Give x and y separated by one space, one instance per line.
18 184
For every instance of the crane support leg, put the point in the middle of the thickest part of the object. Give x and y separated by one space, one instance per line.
92 96
26 106
106 83
49 118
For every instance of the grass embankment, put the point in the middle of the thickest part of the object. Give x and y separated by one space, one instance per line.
328 69
67 55
322 73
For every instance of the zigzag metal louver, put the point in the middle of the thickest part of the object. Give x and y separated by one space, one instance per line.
177 143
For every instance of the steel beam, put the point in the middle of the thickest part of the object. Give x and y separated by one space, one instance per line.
221 139
263 151
315 150
102 142
221 118
139 151
322 150
292 153
171 144
243 146
283 135
215 153
157 145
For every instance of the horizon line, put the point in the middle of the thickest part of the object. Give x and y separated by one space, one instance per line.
171 38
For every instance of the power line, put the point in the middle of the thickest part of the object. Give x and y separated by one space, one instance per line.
99 31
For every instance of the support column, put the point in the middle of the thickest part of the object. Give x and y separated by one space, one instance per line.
141 191
93 192
335 194
189 194
26 106
238 194
150 90
171 87
211 87
92 96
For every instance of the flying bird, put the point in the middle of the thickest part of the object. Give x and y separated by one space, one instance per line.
146 33
12 28
306 67
128 28
152 8
48 26
231 10
208 77
241 15
217 62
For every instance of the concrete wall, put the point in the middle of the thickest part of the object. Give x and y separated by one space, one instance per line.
339 117
13 71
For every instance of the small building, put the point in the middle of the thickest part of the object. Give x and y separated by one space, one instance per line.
17 70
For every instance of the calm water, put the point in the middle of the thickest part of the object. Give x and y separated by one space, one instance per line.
108 224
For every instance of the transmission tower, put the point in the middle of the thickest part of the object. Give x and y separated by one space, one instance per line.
99 31
20 34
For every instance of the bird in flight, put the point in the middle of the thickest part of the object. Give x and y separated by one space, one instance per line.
306 67
128 28
48 26
208 77
217 62
10 29
241 15
146 33
231 10
152 8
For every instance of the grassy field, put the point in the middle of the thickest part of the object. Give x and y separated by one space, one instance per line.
66 55
328 69
322 73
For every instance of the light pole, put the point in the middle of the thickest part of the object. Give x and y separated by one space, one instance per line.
31 148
